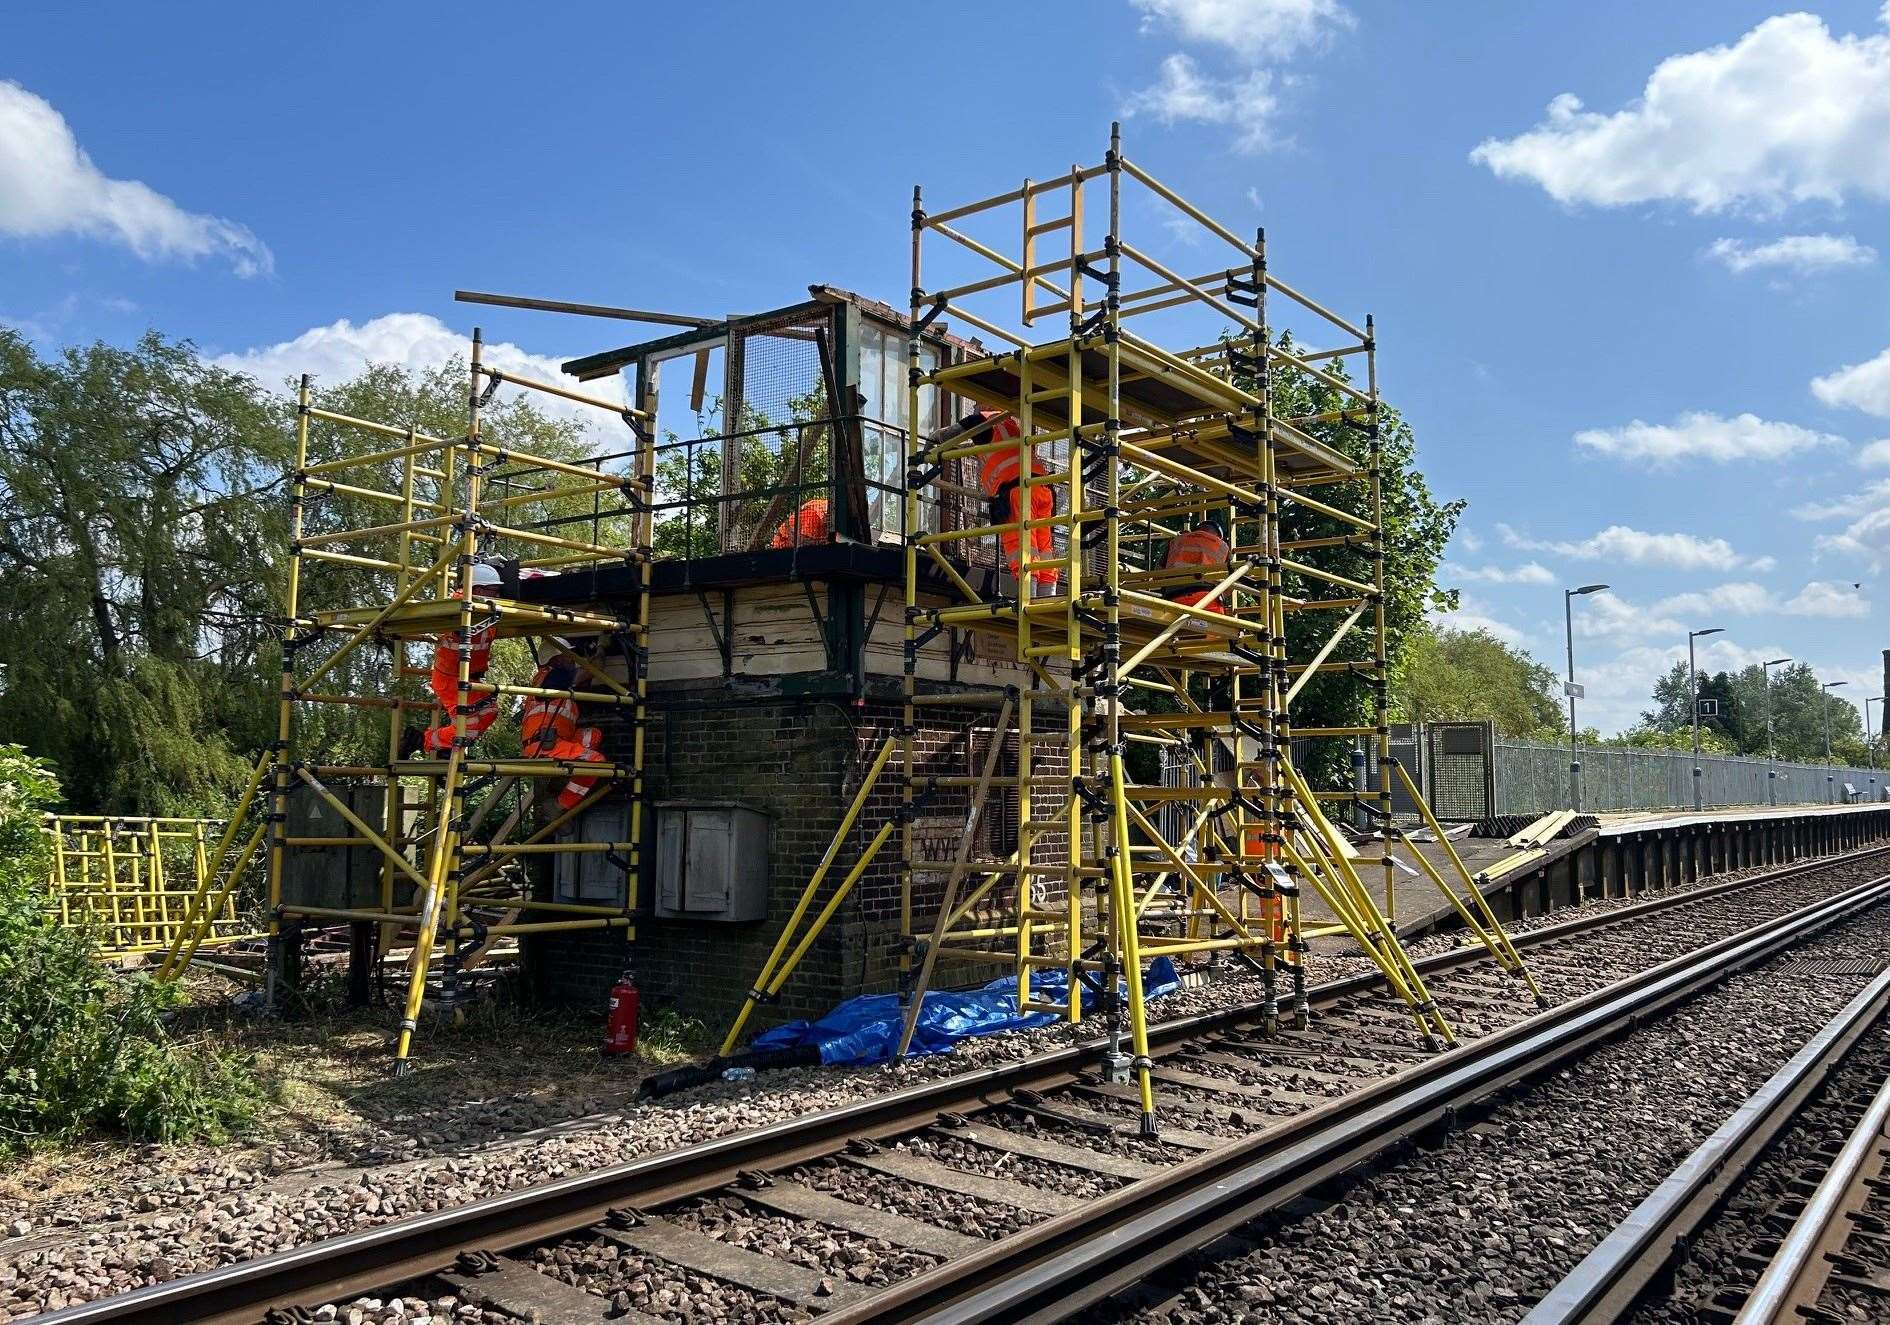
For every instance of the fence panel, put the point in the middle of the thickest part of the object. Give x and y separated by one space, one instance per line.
1532 778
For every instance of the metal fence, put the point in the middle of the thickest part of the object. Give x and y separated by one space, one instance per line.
1532 778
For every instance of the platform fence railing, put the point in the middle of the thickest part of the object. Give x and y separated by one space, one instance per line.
1532 778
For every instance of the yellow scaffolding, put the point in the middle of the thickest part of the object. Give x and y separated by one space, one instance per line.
135 880
1137 444
451 832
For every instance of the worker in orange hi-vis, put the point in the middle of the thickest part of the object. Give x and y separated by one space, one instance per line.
548 727
1204 545
998 478
807 525
482 707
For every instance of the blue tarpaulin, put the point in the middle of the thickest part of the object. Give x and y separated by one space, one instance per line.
866 1029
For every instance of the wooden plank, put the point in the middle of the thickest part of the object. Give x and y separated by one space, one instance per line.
1053 1152
1242 1063
735 1265
792 1198
1174 1136
1289 1053
1410 1051
928 1172
518 1290
1237 1089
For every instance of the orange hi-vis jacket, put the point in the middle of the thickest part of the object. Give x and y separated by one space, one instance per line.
546 723
807 525
997 477
587 749
548 729
1198 547
482 707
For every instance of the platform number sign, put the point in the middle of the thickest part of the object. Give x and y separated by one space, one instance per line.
1709 708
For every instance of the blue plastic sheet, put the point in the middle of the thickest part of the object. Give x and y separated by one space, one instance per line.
866 1029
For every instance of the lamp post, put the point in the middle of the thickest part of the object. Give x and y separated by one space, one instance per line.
1824 708
1693 699
1870 750
1573 691
1771 746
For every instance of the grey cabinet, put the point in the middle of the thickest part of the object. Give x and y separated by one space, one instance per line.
594 877
711 861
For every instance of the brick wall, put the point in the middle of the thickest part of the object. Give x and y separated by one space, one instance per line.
800 760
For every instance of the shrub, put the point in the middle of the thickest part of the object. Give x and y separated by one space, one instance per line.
84 1048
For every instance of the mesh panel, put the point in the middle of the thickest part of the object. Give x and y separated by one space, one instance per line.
1532 778
1457 763
778 455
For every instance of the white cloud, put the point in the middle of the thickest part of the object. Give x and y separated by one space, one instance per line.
1530 572
1866 539
49 186
1620 543
1608 616
1245 102
1864 386
1874 455
1803 254
1826 599
1471 542
1251 29
1474 615
1788 113
1849 506
1698 435
1740 596
340 350
1819 598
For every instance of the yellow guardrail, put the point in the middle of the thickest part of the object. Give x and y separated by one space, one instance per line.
134 879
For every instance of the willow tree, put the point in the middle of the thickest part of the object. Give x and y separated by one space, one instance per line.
139 506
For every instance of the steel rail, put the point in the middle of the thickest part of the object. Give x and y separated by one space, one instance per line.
1789 1288
1071 1262
1612 1278
374 1258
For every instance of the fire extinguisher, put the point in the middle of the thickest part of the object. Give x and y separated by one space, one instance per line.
620 1026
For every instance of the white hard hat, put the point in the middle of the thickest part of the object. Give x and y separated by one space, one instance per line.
485 576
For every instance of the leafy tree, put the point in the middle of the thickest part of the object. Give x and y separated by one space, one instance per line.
143 544
1471 675
137 522
1798 711
1416 528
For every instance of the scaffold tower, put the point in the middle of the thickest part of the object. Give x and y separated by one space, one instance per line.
1115 447
461 837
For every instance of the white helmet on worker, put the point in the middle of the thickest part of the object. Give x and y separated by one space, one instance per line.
486 577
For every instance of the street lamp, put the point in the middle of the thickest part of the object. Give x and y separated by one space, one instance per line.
1771 747
1824 708
1870 750
1573 691
1693 698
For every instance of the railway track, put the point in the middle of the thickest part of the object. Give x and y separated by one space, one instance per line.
1782 1215
1022 1191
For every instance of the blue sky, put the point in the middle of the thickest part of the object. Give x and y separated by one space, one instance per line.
1629 261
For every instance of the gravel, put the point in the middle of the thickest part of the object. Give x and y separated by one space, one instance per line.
831 1251
1799 1158
157 1222
1479 1227
949 1210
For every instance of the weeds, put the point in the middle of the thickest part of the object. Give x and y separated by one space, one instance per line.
82 1048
